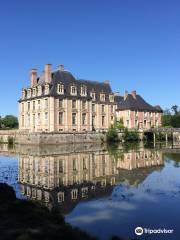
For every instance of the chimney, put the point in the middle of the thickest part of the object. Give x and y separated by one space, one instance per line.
116 94
106 82
61 67
33 77
133 94
125 94
47 73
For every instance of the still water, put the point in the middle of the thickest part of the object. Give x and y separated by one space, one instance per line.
104 190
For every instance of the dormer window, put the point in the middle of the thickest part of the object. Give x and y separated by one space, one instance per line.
102 97
83 91
46 91
39 93
34 92
23 94
93 95
29 93
111 98
73 90
60 89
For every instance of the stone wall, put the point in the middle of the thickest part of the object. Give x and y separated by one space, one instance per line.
6 134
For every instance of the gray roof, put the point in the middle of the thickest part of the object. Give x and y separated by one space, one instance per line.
67 79
136 104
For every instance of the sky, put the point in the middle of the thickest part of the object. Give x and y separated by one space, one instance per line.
135 44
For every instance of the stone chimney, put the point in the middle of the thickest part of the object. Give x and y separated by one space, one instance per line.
61 67
47 73
125 94
116 94
133 94
106 82
33 77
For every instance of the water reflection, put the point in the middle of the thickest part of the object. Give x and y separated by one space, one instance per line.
65 175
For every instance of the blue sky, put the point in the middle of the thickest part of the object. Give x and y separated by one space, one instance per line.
135 44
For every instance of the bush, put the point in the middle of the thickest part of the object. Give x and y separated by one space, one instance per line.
112 135
130 136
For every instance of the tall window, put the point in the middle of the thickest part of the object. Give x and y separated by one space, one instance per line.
111 98
60 118
33 105
46 117
93 95
46 103
39 118
103 120
28 106
103 108
102 97
22 107
83 91
22 120
83 104
34 119
60 103
111 108
84 119
93 108
73 118
73 104
60 89
34 91
39 104
127 123
46 89
73 90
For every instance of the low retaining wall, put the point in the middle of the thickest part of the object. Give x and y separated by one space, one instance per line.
50 138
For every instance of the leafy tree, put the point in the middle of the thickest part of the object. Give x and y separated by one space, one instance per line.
130 136
10 121
112 135
119 124
175 109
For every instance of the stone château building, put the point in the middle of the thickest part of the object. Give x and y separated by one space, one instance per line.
57 101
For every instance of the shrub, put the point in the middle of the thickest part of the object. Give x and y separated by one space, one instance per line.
112 135
130 136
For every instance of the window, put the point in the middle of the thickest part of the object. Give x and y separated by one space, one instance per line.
23 94
46 117
83 104
112 109
39 104
136 123
29 93
28 119
103 120
144 123
39 119
73 90
145 114
111 98
93 95
136 113
46 103
93 108
22 107
127 123
34 105
28 106
61 197
47 89
103 108
34 91
60 103
84 119
39 90
34 119
73 104
60 118
83 91
73 118
60 89
102 97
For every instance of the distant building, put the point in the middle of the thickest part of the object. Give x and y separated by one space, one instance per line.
57 101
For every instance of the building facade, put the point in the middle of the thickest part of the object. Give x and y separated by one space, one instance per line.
57 101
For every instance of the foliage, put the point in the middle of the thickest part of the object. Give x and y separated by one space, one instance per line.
9 121
171 121
175 109
112 135
130 136
119 124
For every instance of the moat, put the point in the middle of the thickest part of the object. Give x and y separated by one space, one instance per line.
104 190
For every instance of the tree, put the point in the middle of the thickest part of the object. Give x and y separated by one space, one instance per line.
175 109
10 121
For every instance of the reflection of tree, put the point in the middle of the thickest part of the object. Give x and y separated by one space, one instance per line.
173 156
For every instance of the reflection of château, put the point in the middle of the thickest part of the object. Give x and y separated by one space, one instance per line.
67 178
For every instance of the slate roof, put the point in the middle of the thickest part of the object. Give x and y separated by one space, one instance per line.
67 79
136 104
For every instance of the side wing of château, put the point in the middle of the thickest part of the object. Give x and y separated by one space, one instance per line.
57 101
